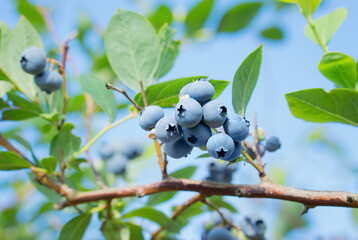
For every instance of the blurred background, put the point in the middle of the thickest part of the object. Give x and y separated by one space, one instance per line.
313 156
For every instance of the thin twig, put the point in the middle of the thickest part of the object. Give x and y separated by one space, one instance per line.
162 163
258 155
143 93
108 216
252 162
110 86
11 148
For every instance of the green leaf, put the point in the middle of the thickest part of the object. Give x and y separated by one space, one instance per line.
157 198
166 94
316 105
49 163
272 33
220 203
161 16
12 161
204 155
18 114
197 16
308 6
135 231
4 40
153 215
239 17
47 192
245 81
132 48
65 143
75 228
76 103
326 26
32 14
278 176
23 103
23 36
5 87
339 68
100 94
355 215
169 51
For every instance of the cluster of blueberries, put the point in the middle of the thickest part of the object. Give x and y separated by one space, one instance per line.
33 61
117 157
252 226
191 125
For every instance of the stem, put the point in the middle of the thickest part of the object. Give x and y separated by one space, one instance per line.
249 159
110 86
318 38
162 163
258 155
105 129
143 93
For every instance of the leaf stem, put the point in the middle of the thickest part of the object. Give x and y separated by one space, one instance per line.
143 93
318 38
110 86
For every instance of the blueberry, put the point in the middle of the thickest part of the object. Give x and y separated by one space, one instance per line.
167 129
216 218
49 81
197 136
117 165
177 149
220 146
188 112
131 149
220 233
253 227
149 116
236 154
33 60
106 151
201 90
214 113
237 127
272 144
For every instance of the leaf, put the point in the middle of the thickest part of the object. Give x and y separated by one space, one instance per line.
161 16
23 103
100 94
157 198
75 228
132 48
135 231
245 81
166 94
316 105
326 26
308 6
272 33
12 161
4 88
153 215
23 36
169 51
64 144
204 155
220 203
339 68
18 114
47 192
239 17
49 163
197 16
355 215
4 40
32 14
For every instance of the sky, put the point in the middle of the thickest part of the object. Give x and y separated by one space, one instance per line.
287 66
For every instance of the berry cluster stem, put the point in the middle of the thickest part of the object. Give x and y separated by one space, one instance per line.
258 155
162 162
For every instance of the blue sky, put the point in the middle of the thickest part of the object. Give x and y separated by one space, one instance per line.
287 66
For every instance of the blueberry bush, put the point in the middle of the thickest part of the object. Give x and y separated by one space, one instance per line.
182 116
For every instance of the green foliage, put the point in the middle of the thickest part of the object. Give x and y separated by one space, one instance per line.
95 87
166 94
4 40
49 163
132 48
65 144
355 216
272 33
339 68
308 6
75 228
32 14
326 26
197 16
316 105
245 81
239 17
161 16
12 161
288 219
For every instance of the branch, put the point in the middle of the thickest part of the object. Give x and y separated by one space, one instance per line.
265 189
110 86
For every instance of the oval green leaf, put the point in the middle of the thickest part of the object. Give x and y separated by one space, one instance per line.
132 48
197 16
272 33
339 68
162 15
12 161
75 228
316 105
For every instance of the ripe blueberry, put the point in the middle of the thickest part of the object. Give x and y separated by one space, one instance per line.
188 112
132 149
197 136
253 227
49 81
220 233
237 127
220 146
106 151
236 154
272 144
214 113
117 165
33 60
149 116
177 149
201 90
167 130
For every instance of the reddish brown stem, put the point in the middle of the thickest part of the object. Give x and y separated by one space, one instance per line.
258 155
143 93
110 86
